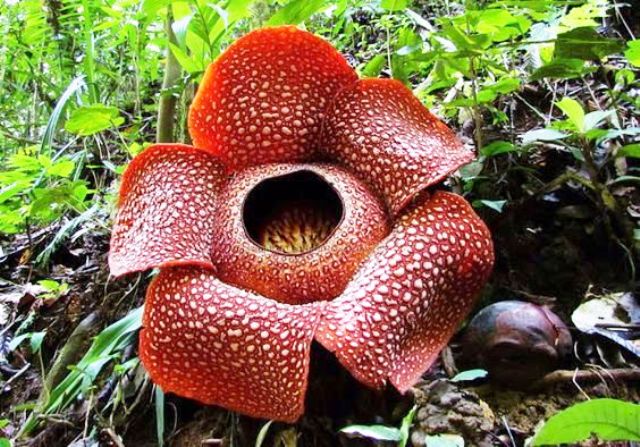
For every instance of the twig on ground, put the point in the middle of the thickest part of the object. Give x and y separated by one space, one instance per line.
560 376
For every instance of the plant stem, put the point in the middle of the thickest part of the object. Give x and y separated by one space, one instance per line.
614 218
167 106
89 57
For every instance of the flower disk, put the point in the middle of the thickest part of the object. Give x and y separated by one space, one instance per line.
299 277
264 98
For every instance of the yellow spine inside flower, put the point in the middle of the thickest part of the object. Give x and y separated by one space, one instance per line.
297 228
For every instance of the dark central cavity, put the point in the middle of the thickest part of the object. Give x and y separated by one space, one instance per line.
293 213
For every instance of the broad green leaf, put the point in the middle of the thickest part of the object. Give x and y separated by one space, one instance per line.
394 5
608 419
4 442
374 66
92 119
585 43
378 432
594 119
471 374
632 53
11 221
63 168
185 60
500 24
542 135
151 7
445 440
497 147
506 85
12 190
295 12
473 43
630 150
585 15
180 28
49 284
574 111
561 69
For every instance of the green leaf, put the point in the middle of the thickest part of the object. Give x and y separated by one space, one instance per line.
74 86
406 425
500 24
262 434
561 69
495 205
36 341
585 43
295 12
630 150
471 374
394 5
378 432
89 120
574 111
50 285
185 60
445 440
497 147
17 341
4 442
111 340
374 66
542 135
12 190
608 419
632 53
62 169
594 119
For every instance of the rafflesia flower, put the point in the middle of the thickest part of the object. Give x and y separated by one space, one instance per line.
301 213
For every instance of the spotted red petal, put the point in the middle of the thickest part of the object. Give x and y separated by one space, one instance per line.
165 210
217 344
409 297
264 98
381 131
319 273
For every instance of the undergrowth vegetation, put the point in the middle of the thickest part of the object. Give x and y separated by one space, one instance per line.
546 92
